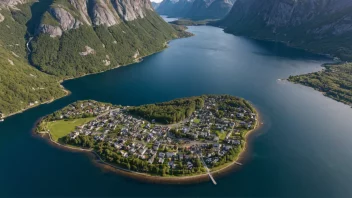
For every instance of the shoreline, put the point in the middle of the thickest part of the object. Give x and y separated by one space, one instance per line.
145 177
67 92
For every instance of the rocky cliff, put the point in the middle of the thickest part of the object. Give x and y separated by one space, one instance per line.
195 9
323 26
74 13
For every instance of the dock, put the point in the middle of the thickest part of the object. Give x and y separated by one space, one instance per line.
208 171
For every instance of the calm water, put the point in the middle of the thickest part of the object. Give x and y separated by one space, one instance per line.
303 150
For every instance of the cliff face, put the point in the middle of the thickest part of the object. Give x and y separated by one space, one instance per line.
195 9
74 13
323 26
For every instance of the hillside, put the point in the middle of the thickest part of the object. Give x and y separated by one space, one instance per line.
76 39
195 9
321 26
335 82
21 86
71 38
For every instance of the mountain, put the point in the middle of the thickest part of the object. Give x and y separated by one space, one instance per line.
196 9
322 26
174 8
45 41
155 5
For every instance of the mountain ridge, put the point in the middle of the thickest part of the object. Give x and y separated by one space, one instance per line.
321 26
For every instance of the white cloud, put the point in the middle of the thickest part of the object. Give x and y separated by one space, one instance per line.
158 1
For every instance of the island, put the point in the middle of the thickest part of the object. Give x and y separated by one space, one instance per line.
180 138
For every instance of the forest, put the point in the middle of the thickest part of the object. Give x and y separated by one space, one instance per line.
169 112
335 81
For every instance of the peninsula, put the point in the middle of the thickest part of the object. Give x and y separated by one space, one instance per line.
180 138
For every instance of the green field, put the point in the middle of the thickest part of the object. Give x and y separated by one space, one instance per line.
61 128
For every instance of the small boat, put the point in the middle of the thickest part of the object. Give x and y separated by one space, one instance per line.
1 120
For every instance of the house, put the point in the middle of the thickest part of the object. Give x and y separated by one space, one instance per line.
240 115
156 146
189 165
161 160
170 154
161 155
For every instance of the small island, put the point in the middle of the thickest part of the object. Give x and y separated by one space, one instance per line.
180 138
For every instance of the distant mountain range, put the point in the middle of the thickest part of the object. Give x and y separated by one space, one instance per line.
322 26
155 5
195 9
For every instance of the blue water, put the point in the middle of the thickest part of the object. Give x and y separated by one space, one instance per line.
302 150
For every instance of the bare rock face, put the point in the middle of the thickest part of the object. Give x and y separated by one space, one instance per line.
131 10
66 20
88 51
81 6
102 14
93 12
2 18
53 31
12 3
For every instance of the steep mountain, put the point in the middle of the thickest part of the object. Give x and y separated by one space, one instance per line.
92 36
71 38
155 5
196 9
174 8
211 9
323 26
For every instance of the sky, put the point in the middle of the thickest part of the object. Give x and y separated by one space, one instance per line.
158 1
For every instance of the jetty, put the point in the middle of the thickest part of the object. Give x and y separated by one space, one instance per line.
208 171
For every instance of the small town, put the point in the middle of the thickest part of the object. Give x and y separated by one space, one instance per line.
206 135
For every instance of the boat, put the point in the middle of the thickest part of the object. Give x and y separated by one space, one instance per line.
1 120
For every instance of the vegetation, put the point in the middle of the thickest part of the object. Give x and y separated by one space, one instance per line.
335 82
169 112
61 128
21 85
118 45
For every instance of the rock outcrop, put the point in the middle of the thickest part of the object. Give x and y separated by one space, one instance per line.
65 18
2 18
323 26
12 3
53 31
94 13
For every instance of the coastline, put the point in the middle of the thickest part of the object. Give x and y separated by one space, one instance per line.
67 92
145 177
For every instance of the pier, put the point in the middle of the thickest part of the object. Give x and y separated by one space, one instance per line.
208 171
